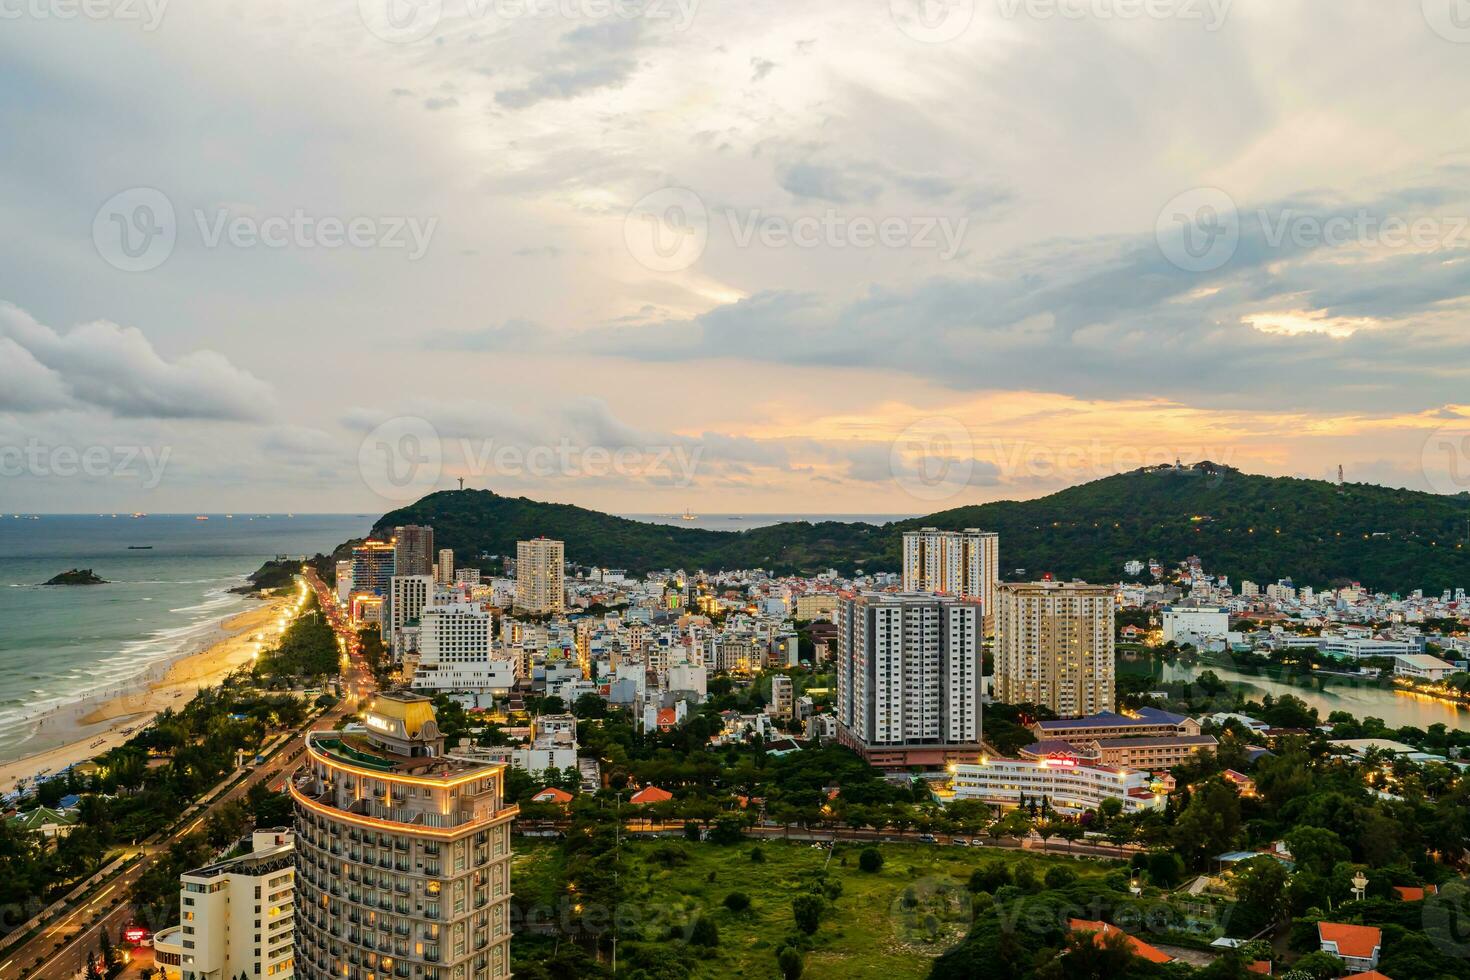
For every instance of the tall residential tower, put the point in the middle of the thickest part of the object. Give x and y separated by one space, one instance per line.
960 563
539 586
908 677
1054 646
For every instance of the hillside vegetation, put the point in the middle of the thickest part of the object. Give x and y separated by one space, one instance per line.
1248 527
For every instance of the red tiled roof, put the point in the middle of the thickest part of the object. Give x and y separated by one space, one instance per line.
1410 893
1263 967
1101 930
552 795
666 718
1370 975
650 794
1355 941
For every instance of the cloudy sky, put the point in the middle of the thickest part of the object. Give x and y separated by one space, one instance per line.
837 256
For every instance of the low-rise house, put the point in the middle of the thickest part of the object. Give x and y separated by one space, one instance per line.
45 821
1101 931
1357 946
552 794
650 794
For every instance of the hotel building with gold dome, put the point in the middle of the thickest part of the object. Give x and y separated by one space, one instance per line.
402 853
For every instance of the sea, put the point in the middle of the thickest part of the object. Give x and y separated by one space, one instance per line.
169 578
168 575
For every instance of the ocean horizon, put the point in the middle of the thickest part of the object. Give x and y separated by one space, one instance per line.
169 580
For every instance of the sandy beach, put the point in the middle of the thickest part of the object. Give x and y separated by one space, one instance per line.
92 726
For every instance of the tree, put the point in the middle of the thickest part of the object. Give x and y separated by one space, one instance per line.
737 902
990 876
704 932
807 911
1210 824
789 959
1319 965
870 859
1315 849
1260 892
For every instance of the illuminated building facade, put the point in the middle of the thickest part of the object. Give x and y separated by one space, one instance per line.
960 563
1068 784
235 916
1054 646
403 854
373 564
908 677
539 567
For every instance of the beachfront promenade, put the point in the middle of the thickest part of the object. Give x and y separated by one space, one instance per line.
59 946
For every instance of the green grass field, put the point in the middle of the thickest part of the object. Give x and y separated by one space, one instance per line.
886 925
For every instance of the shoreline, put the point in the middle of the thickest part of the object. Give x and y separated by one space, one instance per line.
93 725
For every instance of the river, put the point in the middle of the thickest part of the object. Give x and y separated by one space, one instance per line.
1329 694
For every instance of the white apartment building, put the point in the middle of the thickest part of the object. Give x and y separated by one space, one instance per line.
908 677
236 916
444 567
1067 784
539 585
961 563
1054 646
782 696
1191 624
1423 666
456 651
407 597
344 581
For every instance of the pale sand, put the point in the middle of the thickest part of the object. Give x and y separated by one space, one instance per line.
92 727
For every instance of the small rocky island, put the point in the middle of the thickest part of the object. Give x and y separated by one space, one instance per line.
77 576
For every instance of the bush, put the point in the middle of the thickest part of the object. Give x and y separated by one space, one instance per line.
704 932
789 960
807 911
1059 877
989 877
737 901
757 856
870 860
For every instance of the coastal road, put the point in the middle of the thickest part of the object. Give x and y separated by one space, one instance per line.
78 930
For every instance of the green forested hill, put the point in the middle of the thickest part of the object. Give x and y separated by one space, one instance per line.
1249 527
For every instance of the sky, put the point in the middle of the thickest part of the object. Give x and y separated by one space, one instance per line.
835 256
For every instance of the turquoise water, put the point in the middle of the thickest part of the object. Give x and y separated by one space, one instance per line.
59 644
